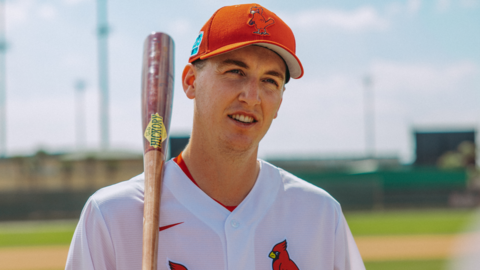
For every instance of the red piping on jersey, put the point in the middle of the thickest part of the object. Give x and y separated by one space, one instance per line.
168 226
183 166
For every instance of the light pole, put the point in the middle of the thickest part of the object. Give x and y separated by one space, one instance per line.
80 127
3 83
369 110
103 31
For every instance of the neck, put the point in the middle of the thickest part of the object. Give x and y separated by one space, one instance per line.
224 174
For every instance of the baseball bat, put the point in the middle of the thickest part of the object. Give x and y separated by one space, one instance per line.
157 98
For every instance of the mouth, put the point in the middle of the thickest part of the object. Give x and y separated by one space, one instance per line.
243 118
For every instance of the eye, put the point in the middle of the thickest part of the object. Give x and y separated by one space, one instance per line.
236 71
272 81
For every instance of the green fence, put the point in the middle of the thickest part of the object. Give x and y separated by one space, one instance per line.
413 187
42 205
416 187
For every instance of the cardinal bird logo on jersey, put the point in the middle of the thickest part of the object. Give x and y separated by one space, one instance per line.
258 20
281 260
176 266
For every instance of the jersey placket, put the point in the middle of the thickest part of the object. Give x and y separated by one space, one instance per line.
241 224
237 228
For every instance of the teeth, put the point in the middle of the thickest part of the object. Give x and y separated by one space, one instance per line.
243 118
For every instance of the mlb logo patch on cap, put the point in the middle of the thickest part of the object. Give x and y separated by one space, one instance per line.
197 43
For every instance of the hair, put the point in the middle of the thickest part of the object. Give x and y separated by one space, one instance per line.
287 73
200 64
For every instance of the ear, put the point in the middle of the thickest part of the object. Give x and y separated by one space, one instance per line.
188 80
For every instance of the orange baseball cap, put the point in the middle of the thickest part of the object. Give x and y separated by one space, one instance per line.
234 27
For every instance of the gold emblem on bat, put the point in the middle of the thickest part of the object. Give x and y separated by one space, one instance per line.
155 133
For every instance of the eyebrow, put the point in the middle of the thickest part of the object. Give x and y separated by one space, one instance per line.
276 74
244 65
234 62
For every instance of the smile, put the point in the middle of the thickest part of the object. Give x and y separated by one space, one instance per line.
243 118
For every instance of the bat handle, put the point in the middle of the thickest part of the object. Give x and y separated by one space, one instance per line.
153 165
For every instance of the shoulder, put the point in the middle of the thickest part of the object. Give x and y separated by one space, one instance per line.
120 191
119 197
125 195
300 190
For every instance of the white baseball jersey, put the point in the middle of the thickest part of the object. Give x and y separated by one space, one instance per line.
283 223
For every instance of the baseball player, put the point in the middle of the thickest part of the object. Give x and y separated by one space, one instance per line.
221 206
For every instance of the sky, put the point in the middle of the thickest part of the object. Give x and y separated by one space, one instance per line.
423 58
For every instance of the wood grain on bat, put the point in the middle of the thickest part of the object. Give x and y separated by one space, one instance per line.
157 97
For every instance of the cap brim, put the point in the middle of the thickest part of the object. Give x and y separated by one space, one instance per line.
294 65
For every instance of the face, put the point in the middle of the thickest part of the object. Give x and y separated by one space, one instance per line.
236 95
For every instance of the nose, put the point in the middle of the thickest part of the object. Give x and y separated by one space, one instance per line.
250 93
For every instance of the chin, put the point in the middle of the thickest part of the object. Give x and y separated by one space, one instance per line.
240 145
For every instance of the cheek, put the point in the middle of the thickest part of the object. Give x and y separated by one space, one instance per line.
274 102
209 101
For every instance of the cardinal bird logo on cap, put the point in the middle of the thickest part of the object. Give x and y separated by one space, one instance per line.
259 21
281 260
176 266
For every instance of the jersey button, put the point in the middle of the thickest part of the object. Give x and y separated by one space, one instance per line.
234 223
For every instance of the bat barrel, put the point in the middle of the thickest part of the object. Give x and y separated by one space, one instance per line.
157 99
157 89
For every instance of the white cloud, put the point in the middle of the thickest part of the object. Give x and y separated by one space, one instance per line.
47 12
75 2
330 109
53 120
39 117
469 3
361 19
394 8
388 106
21 11
180 26
76 60
446 118
443 5
413 6
17 12
409 77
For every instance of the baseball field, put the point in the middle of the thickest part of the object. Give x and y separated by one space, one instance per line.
420 239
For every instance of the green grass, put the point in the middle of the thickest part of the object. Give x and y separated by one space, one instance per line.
36 233
35 239
410 265
408 222
361 223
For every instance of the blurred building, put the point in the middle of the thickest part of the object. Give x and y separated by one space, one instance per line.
57 185
67 172
46 185
74 171
445 148
177 144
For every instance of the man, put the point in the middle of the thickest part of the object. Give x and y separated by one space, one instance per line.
222 208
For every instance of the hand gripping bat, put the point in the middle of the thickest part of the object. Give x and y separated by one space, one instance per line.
157 98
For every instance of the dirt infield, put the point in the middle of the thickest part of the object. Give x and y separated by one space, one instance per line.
406 247
371 248
33 258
